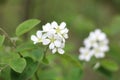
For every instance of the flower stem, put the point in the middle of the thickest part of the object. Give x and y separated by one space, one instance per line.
45 51
13 43
36 76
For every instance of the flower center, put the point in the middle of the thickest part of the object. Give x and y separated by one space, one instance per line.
58 30
97 50
39 40
86 54
52 39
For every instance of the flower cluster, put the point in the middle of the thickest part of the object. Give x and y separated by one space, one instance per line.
53 35
95 45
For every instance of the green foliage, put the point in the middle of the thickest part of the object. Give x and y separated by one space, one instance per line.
5 74
36 54
2 38
105 72
25 47
71 60
26 26
109 65
45 60
81 16
18 64
28 72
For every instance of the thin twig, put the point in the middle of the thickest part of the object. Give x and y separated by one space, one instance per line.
36 76
13 43
45 51
3 67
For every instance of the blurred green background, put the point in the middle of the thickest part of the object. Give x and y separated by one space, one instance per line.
81 16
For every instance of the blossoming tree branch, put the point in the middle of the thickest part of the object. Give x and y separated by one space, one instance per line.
23 59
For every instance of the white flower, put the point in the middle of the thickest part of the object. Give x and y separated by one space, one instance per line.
61 29
53 35
48 28
54 41
96 38
56 44
96 66
103 45
40 38
98 53
90 42
85 54
96 43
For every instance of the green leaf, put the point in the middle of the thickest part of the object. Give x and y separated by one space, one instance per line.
29 70
18 64
104 71
109 65
26 46
37 54
75 73
2 38
26 26
5 74
71 60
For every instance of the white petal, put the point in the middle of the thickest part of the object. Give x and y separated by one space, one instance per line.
52 31
81 50
51 46
35 42
96 66
104 48
100 55
45 28
65 36
81 57
61 51
34 38
57 43
92 36
97 32
50 35
62 25
88 58
46 41
87 42
106 41
62 45
48 25
54 24
45 35
64 31
39 34
102 36
54 50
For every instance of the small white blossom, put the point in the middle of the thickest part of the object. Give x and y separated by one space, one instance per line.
96 66
61 29
54 41
98 53
85 54
48 28
39 37
97 43
53 35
